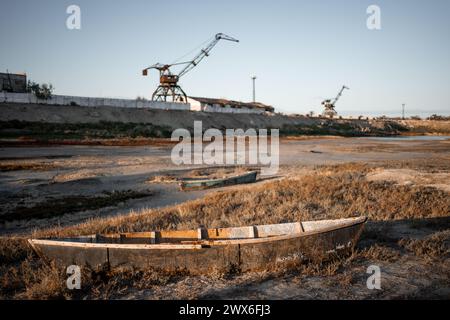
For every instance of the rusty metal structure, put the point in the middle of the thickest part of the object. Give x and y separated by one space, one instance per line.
168 82
329 104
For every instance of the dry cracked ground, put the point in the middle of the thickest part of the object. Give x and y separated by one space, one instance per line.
401 185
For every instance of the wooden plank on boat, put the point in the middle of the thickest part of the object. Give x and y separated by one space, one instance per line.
70 254
271 230
152 237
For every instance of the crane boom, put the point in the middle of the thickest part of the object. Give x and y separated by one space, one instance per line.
339 95
329 104
205 52
168 82
161 67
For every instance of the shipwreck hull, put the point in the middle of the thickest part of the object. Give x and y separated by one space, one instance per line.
204 255
249 177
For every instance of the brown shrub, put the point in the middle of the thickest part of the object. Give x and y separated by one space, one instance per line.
380 253
13 249
32 279
434 246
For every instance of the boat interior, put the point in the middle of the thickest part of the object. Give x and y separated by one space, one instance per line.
203 235
248 176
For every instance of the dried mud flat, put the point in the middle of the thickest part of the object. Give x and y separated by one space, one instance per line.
402 186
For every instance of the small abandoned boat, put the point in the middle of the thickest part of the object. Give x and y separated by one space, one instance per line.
247 177
201 251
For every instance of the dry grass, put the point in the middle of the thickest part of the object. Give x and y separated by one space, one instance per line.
380 253
326 267
434 246
23 276
13 249
332 192
434 165
329 192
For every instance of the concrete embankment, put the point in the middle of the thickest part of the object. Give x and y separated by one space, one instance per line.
168 120
434 127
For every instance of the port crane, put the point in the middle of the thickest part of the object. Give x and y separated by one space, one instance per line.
329 104
168 81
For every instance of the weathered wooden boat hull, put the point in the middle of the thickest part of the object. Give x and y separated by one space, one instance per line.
249 177
205 256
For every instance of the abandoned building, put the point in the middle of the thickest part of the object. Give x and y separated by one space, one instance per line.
227 106
11 82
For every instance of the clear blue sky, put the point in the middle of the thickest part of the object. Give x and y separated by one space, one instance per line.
301 51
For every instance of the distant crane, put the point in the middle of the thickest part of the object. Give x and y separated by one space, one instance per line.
168 81
329 104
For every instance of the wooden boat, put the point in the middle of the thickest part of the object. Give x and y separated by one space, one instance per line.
247 177
202 251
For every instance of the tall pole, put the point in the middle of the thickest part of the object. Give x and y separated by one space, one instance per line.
253 79
403 111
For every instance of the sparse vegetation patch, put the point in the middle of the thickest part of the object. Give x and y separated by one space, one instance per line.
60 206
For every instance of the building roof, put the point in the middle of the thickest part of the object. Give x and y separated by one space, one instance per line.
234 104
13 82
13 74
